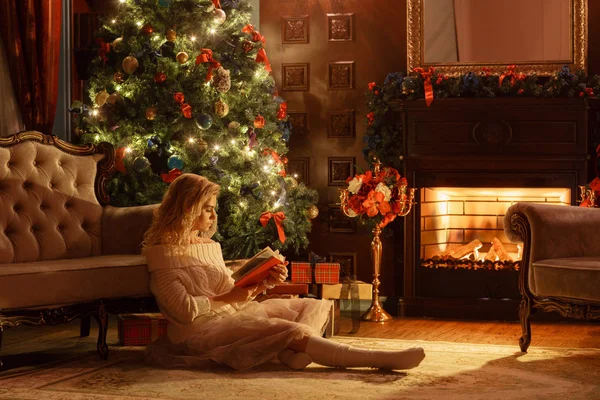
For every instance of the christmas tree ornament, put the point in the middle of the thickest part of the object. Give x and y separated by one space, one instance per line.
171 35
221 108
119 77
312 212
204 121
247 46
234 127
147 29
118 45
130 64
259 121
202 145
175 161
182 57
221 80
219 16
151 113
114 98
160 77
101 98
141 164
243 129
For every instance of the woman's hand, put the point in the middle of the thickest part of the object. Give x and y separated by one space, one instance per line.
237 294
279 274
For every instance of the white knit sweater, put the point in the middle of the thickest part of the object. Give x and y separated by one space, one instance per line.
183 282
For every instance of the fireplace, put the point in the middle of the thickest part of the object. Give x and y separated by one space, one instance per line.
470 159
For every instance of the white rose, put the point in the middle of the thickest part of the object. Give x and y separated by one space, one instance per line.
387 193
354 185
351 213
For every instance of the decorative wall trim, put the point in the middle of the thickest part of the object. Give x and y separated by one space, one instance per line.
340 75
338 222
340 27
340 168
299 166
299 121
295 76
341 124
295 29
347 261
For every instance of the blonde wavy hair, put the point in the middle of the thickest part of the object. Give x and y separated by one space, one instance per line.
173 220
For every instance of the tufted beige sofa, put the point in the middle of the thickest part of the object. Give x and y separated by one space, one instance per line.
561 261
64 252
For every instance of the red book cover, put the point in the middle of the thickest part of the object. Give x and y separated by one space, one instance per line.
257 268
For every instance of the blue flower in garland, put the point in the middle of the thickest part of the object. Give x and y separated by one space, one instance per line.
286 127
470 81
565 73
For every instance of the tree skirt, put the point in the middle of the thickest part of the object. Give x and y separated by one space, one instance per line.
450 371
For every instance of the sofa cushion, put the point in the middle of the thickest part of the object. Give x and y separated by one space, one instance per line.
45 283
48 208
574 277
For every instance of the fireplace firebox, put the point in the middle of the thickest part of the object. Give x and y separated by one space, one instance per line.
470 159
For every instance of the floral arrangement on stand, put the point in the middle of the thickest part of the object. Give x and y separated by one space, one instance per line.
380 195
383 135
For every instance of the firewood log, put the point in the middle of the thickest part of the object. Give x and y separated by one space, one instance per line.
491 255
462 251
500 250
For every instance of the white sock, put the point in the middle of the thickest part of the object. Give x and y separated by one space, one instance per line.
294 360
326 352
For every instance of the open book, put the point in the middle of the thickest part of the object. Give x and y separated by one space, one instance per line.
257 268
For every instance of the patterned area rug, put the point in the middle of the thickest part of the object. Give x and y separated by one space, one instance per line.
450 371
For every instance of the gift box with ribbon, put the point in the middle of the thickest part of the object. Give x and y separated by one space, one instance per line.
315 271
141 329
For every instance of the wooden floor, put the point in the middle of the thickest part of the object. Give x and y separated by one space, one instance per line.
555 334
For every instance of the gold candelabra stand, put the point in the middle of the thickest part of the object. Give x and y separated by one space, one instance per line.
587 194
376 313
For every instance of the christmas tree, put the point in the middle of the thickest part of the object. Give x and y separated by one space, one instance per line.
185 86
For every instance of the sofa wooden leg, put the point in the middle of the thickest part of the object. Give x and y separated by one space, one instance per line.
84 329
525 314
102 319
1 329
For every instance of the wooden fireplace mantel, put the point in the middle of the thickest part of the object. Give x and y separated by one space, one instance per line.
486 142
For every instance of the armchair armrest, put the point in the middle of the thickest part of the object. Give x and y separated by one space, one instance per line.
556 231
123 228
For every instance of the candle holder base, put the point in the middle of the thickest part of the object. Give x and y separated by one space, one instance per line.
376 313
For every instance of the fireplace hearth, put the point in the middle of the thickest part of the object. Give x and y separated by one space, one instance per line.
470 159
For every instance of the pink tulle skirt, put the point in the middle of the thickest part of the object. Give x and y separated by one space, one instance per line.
251 336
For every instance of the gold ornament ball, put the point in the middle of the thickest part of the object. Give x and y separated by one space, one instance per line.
151 113
101 98
221 109
171 35
312 211
182 57
202 145
118 44
130 64
114 98
219 16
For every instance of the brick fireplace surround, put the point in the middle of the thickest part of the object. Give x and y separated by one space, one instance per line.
466 154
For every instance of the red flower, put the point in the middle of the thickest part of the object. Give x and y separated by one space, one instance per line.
259 121
375 203
372 85
371 117
376 92
160 77
186 109
439 80
179 97
282 111
521 91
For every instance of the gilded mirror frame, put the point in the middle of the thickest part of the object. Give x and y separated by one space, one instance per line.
579 42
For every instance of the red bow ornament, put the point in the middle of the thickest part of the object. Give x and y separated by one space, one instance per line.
278 217
103 50
206 56
426 75
261 56
509 73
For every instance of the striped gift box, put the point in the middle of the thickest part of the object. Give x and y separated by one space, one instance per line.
141 329
327 273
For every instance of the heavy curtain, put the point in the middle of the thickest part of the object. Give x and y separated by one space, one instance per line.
30 31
